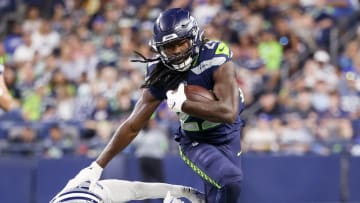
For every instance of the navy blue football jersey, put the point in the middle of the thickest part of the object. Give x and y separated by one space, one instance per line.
212 55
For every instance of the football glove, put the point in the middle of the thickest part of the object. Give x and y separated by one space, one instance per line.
175 99
170 199
194 195
91 173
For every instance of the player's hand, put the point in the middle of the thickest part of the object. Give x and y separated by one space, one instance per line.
170 199
175 99
91 173
194 195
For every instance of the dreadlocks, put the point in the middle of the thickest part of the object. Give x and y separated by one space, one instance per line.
165 77
162 76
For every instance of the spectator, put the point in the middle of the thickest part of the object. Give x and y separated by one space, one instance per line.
24 52
34 102
45 39
261 138
98 31
107 53
350 58
270 50
11 83
32 21
269 105
103 131
65 103
72 62
13 38
23 141
151 146
204 12
58 143
321 69
295 139
102 110
349 90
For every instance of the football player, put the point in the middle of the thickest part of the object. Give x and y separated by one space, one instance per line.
209 136
119 191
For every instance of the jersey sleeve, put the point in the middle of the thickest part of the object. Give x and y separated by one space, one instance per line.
222 54
223 50
212 56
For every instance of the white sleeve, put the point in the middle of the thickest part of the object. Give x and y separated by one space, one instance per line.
119 191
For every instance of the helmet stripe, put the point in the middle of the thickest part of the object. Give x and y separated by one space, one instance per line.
81 195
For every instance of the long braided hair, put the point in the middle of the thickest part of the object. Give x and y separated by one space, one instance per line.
163 76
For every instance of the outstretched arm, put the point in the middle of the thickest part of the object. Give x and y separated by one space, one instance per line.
125 133
128 130
122 191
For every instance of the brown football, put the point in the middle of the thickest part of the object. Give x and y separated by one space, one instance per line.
198 93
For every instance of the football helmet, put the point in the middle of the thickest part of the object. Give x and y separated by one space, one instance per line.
174 25
80 194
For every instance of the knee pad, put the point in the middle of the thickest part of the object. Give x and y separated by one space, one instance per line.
229 193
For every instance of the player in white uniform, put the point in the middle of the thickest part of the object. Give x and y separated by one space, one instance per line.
119 191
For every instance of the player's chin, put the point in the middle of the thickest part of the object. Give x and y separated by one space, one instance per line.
177 61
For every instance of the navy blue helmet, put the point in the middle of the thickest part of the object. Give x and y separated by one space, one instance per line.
173 25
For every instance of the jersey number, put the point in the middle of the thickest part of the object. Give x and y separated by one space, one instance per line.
194 126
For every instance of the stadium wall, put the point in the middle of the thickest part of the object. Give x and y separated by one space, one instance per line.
268 179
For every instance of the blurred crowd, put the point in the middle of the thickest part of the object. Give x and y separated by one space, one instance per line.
68 66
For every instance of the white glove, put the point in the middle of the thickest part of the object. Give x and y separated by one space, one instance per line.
194 195
175 99
91 173
171 199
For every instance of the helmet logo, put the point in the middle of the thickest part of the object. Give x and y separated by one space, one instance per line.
169 37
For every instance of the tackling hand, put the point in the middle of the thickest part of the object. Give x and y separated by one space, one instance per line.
91 173
175 99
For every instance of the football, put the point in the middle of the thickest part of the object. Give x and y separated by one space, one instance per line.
198 93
